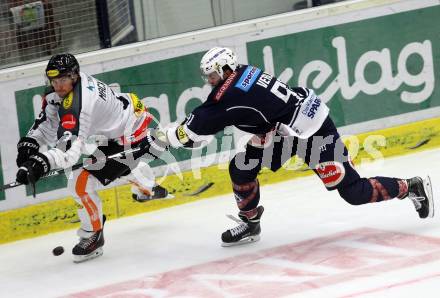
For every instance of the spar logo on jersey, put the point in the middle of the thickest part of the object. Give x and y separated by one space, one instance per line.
248 78
225 86
68 121
311 106
331 173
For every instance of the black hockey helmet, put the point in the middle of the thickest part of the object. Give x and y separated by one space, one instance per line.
62 65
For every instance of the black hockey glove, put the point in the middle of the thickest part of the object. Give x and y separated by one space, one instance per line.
32 170
26 147
153 145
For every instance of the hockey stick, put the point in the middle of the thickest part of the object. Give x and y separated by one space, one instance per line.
200 190
58 172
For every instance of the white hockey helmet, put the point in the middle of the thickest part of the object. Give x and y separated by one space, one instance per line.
215 59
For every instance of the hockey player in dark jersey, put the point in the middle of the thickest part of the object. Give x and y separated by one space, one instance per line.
285 122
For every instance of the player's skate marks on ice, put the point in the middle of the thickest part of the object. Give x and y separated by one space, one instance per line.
291 269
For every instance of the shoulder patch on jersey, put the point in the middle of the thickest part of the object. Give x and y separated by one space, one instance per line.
225 86
90 83
138 106
248 78
68 100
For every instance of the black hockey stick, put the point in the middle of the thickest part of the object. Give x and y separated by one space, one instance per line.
201 189
58 172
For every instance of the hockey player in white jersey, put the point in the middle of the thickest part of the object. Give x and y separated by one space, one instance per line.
285 121
77 107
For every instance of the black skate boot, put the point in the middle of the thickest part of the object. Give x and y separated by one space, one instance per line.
420 193
158 192
89 248
247 231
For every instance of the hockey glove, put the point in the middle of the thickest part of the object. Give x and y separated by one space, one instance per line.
33 169
26 147
153 145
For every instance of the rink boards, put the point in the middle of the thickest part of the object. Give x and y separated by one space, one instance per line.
60 215
353 54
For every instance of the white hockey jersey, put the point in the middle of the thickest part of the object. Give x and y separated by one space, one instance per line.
91 109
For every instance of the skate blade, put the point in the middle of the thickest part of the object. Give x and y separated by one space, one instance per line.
79 259
245 240
428 187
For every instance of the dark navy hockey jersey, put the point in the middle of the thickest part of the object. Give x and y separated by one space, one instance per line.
255 102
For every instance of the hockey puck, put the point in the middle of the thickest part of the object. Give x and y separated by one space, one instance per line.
58 250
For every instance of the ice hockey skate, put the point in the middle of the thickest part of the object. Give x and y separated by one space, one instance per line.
420 193
158 192
89 247
247 231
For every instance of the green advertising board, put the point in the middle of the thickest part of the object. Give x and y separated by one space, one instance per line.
365 70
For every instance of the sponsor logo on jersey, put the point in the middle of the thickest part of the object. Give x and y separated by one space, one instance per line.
52 73
331 173
182 135
248 78
68 100
225 86
311 107
68 121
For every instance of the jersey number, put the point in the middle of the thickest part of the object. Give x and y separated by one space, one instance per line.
282 91
124 101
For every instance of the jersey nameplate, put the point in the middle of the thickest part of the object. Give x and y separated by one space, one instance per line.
264 80
102 90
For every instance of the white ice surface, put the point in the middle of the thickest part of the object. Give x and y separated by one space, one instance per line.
187 235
